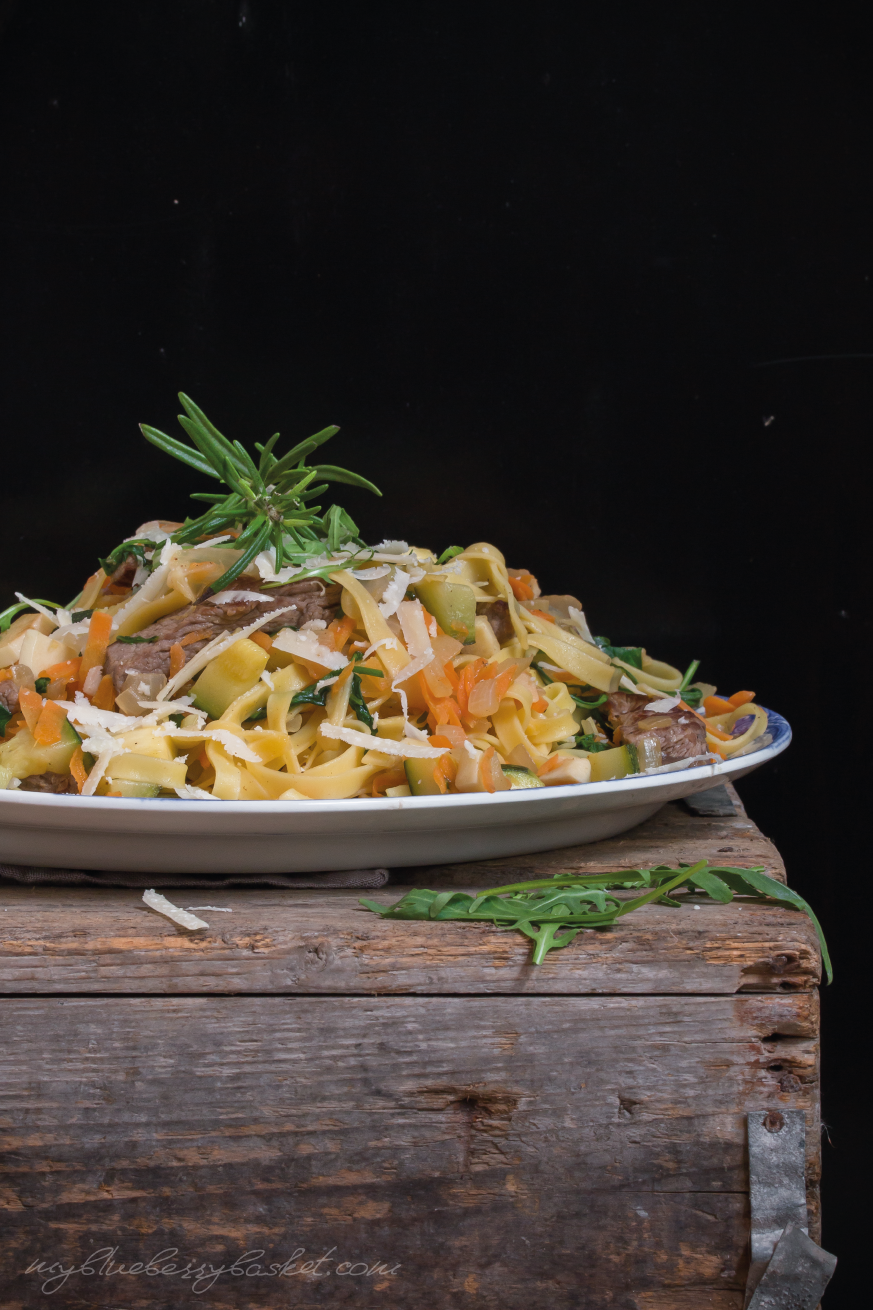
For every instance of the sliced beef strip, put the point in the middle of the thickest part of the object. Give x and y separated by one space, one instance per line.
311 599
9 695
497 614
679 733
59 784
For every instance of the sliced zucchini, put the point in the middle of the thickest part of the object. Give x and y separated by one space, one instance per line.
453 605
616 763
231 673
419 775
21 757
141 790
519 777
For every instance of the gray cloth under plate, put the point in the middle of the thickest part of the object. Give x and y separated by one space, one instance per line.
106 878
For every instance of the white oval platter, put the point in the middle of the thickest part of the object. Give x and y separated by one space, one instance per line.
180 836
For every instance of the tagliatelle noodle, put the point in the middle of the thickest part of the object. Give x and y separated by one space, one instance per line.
392 653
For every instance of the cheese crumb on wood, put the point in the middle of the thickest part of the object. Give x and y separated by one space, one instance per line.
155 901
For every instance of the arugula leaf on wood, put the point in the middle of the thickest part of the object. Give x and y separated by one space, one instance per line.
541 907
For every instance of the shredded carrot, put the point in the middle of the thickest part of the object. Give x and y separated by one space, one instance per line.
504 682
99 636
177 659
5 675
49 726
551 763
259 638
390 778
441 709
451 676
339 631
30 703
66 669
540 705
77 767
200 633
445 771
104 696
541 614
716 705
468 677
485 769
741 698
114 590
713 731
521 590
696 713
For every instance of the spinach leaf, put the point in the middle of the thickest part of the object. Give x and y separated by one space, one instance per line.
135 641
5 716
588 742
78 615
41 685
632 655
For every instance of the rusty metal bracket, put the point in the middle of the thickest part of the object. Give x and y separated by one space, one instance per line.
787 1268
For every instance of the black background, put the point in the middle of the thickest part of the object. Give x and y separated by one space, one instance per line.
589 282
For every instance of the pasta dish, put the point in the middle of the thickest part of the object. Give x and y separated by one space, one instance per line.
263 652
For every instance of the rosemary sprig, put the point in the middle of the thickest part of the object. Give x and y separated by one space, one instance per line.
268 499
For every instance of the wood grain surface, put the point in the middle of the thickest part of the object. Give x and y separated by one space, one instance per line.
58 940
490 1151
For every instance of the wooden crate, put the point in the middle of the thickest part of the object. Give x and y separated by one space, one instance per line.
398 1114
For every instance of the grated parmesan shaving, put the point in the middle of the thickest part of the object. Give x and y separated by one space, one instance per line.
662 706
231 597
383 641
580 623
405 749
306 645
155 901
40 609
232 744
187 792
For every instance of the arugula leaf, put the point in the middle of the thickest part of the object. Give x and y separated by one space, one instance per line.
135 641
78 615
689 674
177 719
259 713
449 553
543 906
41 685
10 613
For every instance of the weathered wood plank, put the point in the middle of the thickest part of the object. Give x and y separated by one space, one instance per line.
85 939
502 1151
90 940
